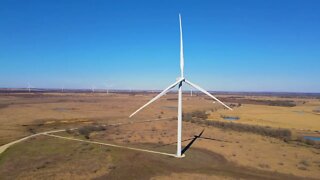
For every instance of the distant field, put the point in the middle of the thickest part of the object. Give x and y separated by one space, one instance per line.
300 117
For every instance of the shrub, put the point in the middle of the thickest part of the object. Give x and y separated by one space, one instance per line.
31 130
68 130
304 162
86 130
187 117
199 114
264 165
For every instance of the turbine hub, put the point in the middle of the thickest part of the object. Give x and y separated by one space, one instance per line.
180 79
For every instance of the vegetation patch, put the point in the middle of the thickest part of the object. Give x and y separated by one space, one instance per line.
284 134
199 114
286 103
200 117
310 142
317 110
172 99
283 103
86 130
4 106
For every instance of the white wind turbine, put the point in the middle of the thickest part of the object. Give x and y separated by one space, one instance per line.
29 87
108 86
179 82
92 88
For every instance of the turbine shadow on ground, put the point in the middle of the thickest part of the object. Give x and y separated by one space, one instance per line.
192 141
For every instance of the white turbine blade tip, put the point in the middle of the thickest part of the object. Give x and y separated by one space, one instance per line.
181 48
207 93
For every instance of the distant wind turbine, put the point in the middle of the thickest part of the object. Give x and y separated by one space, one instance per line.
108 86
92 89
179 82
29 87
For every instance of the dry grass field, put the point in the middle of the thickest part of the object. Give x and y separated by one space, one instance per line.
217 154
300 117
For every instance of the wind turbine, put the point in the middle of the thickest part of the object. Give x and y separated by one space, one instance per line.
92 88
108 86
179 82
29 87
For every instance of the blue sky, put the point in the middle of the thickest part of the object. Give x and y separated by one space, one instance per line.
239 45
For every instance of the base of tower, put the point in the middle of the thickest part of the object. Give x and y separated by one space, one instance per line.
182 156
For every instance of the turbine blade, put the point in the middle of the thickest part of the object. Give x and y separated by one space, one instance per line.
158 96
181 49
207 93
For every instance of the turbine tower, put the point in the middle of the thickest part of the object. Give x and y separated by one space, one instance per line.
179 82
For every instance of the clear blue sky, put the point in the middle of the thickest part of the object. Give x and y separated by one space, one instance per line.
257 45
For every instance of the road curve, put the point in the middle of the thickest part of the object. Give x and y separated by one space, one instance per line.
6 146
112 145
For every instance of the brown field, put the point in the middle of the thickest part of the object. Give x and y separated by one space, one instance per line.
300 117
217 154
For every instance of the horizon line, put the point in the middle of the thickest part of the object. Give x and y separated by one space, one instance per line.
158 90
